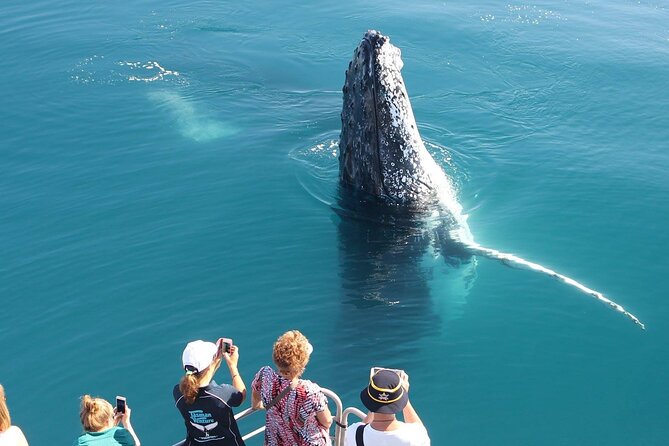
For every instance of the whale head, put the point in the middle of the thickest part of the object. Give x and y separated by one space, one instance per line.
381 152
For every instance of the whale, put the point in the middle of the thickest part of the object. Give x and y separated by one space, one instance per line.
388 178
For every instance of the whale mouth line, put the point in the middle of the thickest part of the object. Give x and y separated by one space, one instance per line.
372 73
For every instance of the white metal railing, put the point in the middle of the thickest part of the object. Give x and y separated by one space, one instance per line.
340 419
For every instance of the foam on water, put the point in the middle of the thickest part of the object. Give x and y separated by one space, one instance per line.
101 69
525 14
151 71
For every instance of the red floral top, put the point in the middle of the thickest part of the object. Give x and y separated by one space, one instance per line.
291 421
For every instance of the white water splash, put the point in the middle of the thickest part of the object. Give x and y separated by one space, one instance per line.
330 149
524 14
150 71
101 70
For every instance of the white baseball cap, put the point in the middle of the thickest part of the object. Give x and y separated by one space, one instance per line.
198 355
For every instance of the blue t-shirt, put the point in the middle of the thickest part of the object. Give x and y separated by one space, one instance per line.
111 437
210 419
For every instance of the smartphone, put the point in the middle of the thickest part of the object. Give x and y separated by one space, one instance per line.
120 404
224 345
375 370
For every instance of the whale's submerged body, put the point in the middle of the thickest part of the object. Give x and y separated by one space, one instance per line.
387 174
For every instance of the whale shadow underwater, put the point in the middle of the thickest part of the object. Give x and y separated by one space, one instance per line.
397 206
391 262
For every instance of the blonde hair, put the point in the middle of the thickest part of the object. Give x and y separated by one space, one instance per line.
95 413
291 353
5 419
189 385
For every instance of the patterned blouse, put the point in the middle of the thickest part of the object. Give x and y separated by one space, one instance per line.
291 421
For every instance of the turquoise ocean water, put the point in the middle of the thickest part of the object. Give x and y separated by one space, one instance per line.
168 172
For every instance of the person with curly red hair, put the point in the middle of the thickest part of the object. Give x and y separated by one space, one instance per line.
297 410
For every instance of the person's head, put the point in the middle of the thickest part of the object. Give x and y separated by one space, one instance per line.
96 414
5 419
200 361
291 353
385 392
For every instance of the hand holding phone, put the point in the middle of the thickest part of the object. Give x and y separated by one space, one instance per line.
231 351
224 345
122 412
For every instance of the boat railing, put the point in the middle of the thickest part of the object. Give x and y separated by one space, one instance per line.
340 419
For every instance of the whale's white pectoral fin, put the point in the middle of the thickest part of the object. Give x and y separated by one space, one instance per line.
513 260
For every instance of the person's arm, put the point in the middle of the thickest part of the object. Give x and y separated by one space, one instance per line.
409 413
256 390
125 421
231 360
324 417
256 400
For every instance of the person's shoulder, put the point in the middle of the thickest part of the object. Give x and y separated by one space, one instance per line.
123 436
19 432
176 393
417 432
220 389
415 426
226 393
265 374
311 386
349 437
266 371
15 430
82 440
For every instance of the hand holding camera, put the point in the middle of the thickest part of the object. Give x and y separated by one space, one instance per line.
405 380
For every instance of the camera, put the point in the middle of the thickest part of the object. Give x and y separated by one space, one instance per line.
120 404
374 370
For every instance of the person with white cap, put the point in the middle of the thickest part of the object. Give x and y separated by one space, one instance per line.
297 410
386 395
206 406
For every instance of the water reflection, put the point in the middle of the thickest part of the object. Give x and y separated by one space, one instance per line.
401 274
